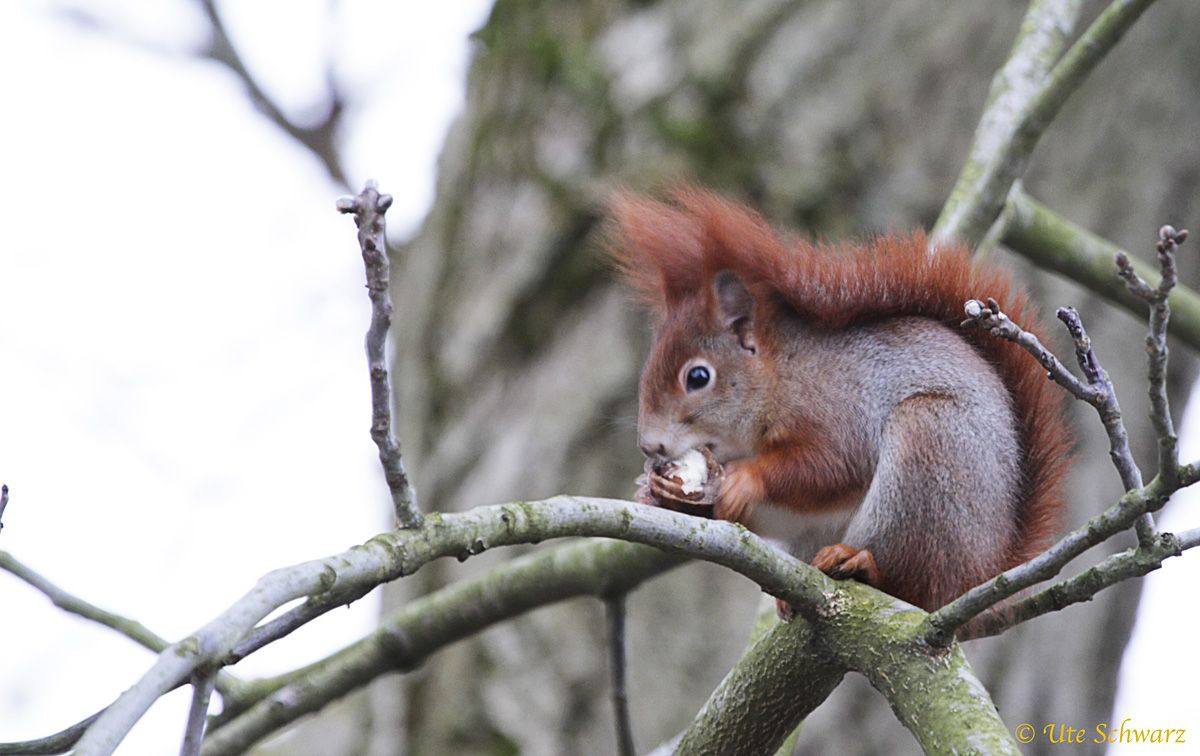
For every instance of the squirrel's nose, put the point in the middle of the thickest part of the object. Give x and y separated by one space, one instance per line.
650 450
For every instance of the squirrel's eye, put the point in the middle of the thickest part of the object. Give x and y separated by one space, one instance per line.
698 377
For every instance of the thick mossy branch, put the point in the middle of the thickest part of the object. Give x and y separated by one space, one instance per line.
791 670
1025 98
782 678
1040 40
933 691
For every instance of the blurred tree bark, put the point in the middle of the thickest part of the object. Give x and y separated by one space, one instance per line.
517 358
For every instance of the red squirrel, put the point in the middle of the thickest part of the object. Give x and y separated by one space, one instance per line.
846 410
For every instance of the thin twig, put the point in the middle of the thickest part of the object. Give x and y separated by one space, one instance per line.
1115 569
1098 390
60 742
3 503
992 319
1107 405
193 733
614 608
1132 510
1156 340
229 686
369 209
320 139
1157 354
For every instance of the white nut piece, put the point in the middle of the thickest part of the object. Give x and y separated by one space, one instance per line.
691 469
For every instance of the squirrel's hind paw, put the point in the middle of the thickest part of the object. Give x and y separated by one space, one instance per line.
842 562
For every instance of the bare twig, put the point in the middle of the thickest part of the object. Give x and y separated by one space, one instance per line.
992 319
1115 569
1106 405
614 607
1098 391
369 208
294 619
1117 518
193 734
1132 510
132 629
3 503
227 684
1156 340
320 138
59 742
1139 500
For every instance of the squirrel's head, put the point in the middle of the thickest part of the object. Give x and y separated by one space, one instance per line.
705 379
704 373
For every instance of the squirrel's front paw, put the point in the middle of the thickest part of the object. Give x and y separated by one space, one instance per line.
842 562
741 489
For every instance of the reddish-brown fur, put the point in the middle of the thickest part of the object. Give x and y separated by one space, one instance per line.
669 253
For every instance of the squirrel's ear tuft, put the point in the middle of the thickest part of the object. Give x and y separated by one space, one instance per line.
656 249
734 305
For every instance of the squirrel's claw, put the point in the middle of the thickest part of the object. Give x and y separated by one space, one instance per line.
842 562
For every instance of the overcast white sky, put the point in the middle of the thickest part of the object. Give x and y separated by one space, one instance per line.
183 403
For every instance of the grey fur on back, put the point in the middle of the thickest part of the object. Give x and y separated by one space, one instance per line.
935 427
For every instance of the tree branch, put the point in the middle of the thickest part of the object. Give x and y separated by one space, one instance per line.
1116 568
1133 509
1106 405
1156 340
391 555
1098 391
230 687
1044 31
202 689
614 610
320 138
409 635
369 209
781 679
1024 100
59 742
1104 397
791 670
1050 241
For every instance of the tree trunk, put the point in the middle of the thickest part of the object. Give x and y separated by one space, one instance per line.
517 358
